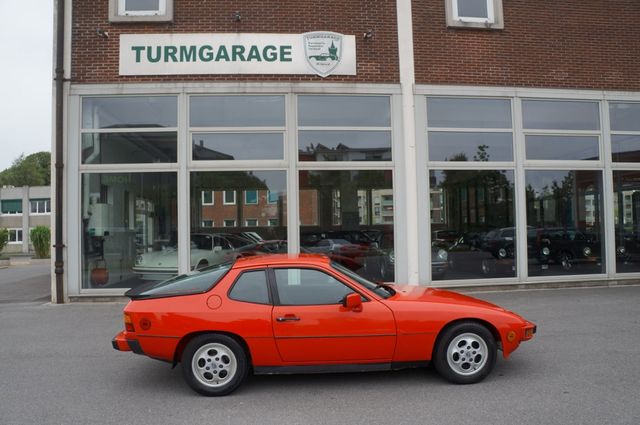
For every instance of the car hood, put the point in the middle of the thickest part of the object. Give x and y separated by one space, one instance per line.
440 296
169 257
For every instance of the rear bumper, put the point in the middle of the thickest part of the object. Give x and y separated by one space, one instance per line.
121 343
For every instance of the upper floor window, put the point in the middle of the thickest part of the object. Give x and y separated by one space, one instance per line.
474 13
11 206
39 206
140 10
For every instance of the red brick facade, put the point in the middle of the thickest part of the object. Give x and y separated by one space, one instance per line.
95 59
590 44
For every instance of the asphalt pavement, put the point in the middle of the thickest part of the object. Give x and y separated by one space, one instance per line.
58 367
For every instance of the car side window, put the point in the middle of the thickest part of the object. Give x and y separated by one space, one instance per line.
251 287
309 287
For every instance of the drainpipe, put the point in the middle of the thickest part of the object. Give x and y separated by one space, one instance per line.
59 159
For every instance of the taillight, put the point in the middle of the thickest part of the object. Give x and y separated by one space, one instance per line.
128 323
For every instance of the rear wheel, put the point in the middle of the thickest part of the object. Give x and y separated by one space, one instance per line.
465 353
214 365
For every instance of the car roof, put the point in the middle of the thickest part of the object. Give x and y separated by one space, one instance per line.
282 259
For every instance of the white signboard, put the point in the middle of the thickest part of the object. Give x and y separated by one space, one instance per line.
322 52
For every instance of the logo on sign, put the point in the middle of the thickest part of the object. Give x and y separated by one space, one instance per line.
323 51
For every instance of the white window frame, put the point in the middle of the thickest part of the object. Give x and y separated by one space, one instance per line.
203 225
16 231
224 197
494 18
271 221
227 220
246 222
118 13
213 197
47 207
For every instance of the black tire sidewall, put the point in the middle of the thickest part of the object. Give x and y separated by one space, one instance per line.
440 356
233 345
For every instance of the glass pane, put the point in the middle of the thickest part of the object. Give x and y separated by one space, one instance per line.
472 224
129 112
468 113
236 111
625 148
129 229
348 215
11 206
237 146
309 287
626 209
344 111
240 228
129 148
137 5
344 145
560 115
454 146
251 287
563 147
473 8
624 116
564 218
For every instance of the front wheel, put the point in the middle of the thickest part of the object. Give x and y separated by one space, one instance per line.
214 365
465 353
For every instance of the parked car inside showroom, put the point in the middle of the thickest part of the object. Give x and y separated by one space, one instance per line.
274 314
206 249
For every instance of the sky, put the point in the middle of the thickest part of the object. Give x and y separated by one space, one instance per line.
26 78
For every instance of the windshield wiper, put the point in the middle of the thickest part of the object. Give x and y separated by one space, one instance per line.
386 287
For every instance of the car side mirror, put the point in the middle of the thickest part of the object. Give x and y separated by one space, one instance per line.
353 302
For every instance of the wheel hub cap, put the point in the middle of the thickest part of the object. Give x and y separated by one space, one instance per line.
467 354
214 365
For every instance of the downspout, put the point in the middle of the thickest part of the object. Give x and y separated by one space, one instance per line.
59 159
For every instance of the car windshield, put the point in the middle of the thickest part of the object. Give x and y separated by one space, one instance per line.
381 290
186 284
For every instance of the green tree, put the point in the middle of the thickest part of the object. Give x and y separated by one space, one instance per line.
31 170
41 239
4 238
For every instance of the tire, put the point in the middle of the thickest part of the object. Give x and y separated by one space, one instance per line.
465 353
565 260
214 364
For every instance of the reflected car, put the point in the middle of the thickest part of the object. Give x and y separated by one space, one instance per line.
365 258
206 249
439 262
570 246
280 314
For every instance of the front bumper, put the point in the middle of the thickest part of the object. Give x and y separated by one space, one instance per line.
121 343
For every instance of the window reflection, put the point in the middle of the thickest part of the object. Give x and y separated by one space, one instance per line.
472 224
564 214
348 215
344 145
626 209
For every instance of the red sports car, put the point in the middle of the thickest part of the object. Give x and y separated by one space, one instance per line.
302 314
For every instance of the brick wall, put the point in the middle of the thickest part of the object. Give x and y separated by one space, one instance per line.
591 44
95 59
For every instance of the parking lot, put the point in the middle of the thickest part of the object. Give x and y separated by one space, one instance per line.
58 367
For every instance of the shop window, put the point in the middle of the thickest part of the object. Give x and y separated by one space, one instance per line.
472 224
40 206
469 129
129 228
233 218
140 10
11 206
15 236
565 220
344 128
560 115
338 219
626 210
561 147
474 13
625 131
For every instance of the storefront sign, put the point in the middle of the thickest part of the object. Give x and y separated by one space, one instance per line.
322 53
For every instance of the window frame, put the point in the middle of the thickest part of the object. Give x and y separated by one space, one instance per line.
494 20
117 12
16 231
224 197
213 197
47 206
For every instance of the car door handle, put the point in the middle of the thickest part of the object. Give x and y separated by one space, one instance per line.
288 318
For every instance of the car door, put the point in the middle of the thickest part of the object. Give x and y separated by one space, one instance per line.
311 325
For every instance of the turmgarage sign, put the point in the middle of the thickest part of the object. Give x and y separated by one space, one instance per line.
322 53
